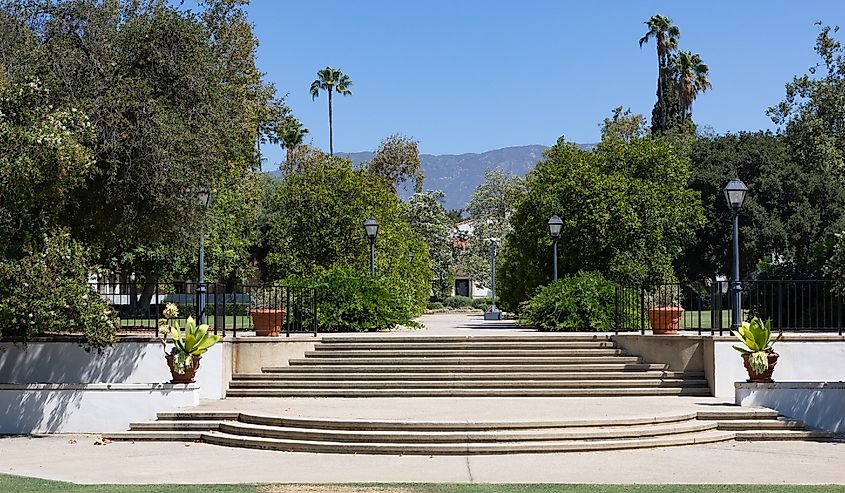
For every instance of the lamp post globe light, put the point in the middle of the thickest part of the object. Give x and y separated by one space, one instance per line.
735 192
371 227
555 225
203 200
493 313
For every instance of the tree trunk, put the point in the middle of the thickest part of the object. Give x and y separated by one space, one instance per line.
331 142
140 305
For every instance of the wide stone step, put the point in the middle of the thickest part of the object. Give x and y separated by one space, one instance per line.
330 367
156 436
452 375
781 435
458 426
468 360
463 384
388 346
470 392
419 339
175 425
527 354
760 424
458 437
230 440
742 413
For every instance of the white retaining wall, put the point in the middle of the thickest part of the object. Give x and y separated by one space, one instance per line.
803 358
137 360
87 408
820 405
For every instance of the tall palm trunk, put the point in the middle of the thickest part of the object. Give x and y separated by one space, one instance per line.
331 137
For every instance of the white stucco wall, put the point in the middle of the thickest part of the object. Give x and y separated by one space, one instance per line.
129 361
815 359
820 405
89 408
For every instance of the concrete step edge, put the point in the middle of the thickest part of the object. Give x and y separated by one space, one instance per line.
465 448
443 425
493 436
465 384
631 375
302 369
572 392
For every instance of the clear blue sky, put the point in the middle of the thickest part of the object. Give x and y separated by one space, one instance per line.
471 75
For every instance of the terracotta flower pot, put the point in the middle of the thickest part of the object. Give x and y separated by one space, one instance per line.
766 376
190 371
267 322
665 319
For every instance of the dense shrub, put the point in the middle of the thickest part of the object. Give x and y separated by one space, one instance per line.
458 302
481 303
349 300
436 305
581 302
47 291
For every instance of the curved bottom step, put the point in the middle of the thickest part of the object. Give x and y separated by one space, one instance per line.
224 439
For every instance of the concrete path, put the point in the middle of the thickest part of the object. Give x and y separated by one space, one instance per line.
77 459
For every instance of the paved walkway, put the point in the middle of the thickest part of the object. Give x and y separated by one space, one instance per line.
55 457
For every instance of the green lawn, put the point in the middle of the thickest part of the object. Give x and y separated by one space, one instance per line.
19 484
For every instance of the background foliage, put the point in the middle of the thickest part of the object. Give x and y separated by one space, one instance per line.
626 209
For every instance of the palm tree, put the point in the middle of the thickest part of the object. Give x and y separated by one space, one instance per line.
292 135
331 80
666 36
690 75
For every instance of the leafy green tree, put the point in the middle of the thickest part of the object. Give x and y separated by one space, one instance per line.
397 161
175 103
665 35
790 213
331 80
428 219
812 113
624 125
626 209
45 157
314 221
490 210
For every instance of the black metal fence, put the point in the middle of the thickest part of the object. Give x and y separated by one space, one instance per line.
227 311
791 305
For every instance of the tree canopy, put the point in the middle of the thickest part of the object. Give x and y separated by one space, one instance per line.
626 209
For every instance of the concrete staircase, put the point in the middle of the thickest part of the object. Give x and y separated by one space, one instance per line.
480 366
458 366
299 434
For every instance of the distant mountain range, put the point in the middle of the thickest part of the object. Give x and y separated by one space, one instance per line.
457 175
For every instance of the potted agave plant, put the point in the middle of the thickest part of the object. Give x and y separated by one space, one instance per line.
265 311
758 355
184 357
664 309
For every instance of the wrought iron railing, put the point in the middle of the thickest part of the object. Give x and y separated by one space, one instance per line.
227 311
791 305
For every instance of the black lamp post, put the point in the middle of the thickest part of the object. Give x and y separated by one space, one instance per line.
371 227
204 200
555 225
493 313
735 192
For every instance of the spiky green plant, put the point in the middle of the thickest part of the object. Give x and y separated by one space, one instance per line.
756 335
195 342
